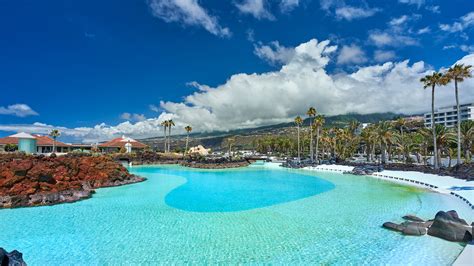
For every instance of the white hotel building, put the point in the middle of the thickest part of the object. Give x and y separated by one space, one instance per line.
447 116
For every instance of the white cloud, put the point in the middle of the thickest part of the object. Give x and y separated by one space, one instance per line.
352 54
413 2
424 30
274 53
288 5
398 21
381 38
462 47
433 9
384 56
463 23
132 117
20 110
328 4
467 48
187 12
154 108
256 8
349 13
249 100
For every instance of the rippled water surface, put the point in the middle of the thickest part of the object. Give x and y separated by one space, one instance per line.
250 215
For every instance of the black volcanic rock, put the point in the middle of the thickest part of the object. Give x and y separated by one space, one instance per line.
14 258
448 226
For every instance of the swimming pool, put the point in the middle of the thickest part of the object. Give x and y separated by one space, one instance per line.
248 215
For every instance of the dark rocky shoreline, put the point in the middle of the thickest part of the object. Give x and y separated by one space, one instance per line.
446 225
27 181
464 171
151 158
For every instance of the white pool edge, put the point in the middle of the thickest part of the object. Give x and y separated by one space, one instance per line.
428 181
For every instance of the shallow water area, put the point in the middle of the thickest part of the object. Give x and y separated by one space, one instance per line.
248 215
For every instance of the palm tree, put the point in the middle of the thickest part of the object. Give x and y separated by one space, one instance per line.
188 129
401 123
54 134
458 73
298 123
318 124
467 132
170 124
165 126
230 143
444 137
311 113
436 79
384 136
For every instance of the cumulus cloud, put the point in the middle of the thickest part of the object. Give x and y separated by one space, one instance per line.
187 12
250 100
20 110
256 8
132 117
274 53
463 23
351 54
383 56
350 13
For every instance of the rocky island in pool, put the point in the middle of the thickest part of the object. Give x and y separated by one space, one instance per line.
27 180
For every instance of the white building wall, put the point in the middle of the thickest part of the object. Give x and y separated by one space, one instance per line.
447 116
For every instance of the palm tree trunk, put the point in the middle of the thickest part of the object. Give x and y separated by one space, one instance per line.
165 139
311 152
187 141
169 139
433 129
317 144
54 144
299 158
459 123
382 149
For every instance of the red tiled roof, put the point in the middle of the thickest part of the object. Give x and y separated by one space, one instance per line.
120 142
40 141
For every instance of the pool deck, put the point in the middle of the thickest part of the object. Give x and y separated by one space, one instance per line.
460 189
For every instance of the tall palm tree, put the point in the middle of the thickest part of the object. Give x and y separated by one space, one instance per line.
230 142
165 126
318 124
436 79
188 129
311 113
384 136
54 134
467 132
298 123
170 124
458 73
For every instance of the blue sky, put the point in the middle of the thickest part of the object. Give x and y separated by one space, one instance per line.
98 69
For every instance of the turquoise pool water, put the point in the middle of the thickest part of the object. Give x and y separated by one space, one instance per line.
183 216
